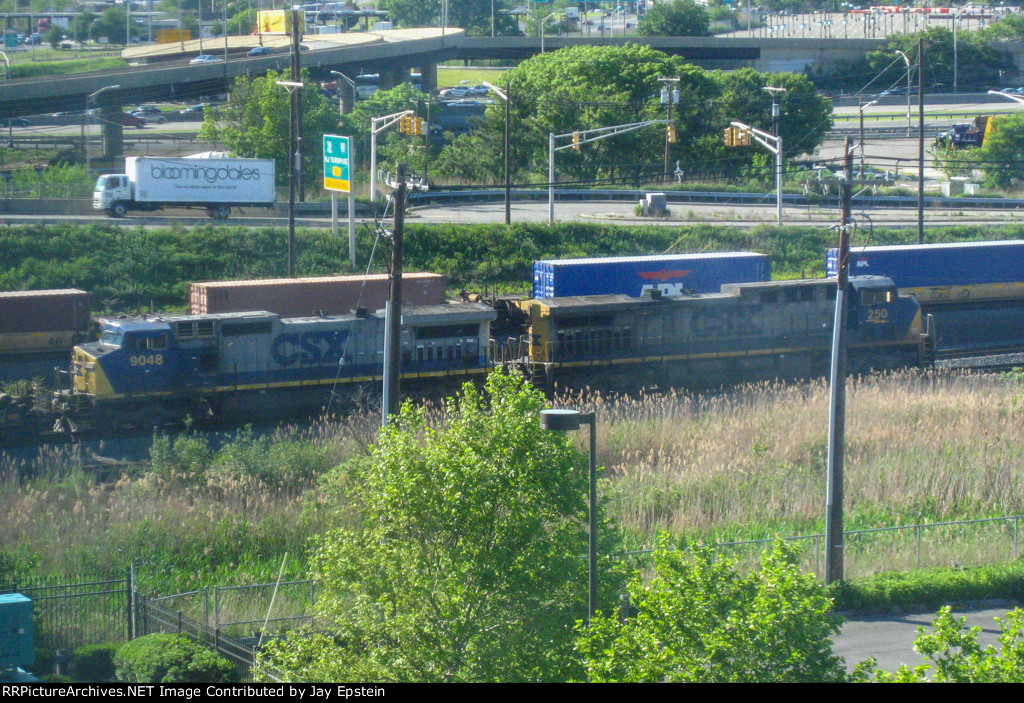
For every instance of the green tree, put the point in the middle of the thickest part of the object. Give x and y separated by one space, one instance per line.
254 124
412 13
1001 156
54 35
112 24
681 18
979 62
952 650
584 87
459 554
698 620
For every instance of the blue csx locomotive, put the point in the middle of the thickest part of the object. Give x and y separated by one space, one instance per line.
240 366
748 331
253 365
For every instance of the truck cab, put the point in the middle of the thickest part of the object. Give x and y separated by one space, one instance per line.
113 192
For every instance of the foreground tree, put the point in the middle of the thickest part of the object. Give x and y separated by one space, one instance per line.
952 650
1001 157
697 619
459 554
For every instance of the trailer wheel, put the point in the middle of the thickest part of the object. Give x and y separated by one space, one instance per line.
222 212
118 210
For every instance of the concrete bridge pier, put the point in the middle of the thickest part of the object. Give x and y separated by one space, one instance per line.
113 132
346 96
428 77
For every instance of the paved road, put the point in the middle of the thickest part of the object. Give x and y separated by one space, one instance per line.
890 638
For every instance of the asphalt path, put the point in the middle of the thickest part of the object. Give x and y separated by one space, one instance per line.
890 638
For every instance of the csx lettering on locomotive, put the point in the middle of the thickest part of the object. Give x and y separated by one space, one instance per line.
311 347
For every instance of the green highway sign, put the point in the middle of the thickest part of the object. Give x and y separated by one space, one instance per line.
337 163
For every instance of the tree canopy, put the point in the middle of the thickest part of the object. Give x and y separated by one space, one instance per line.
680 18
585 87
698 620
459 553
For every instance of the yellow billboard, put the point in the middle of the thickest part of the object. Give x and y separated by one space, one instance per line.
279 21
169 36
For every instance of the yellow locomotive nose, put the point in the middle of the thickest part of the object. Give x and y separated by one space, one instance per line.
83 370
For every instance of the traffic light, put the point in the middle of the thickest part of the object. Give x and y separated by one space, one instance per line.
417 125
730 136
672 136
405 124
743 138
576 141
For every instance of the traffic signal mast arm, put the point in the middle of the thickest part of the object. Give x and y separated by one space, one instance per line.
592 135
766 140
384 122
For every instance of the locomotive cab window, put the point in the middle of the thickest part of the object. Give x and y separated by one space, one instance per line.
157 343
877 296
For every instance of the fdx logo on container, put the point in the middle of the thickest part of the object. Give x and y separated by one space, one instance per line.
663 277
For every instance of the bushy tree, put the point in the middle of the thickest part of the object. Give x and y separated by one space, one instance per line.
1001 157
680 18
954 654
459 554
254 124
585 87
698 620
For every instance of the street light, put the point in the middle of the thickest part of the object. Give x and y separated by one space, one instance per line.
294 171
861 108
90 98
956 17
564 420
540 30
907 60
351 83
504 95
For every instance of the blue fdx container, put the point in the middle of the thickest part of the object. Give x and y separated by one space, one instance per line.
16 633
679 274
937 265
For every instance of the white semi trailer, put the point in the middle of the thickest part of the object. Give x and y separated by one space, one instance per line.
214 183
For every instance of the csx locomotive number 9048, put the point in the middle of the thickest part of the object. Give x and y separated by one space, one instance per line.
240 366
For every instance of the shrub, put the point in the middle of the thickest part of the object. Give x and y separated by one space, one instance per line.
166 658
95 662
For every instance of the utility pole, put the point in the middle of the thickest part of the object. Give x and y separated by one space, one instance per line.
920 143
834 547
297 103
393 373
508 182
778 154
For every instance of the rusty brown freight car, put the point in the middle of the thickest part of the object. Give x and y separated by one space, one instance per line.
298 297
33 321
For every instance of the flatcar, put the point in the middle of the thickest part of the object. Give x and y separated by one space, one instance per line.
747 332
256 365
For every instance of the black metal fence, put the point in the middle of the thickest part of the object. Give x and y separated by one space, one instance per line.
69 613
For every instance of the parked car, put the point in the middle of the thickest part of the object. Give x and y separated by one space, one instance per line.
205 58
260 51
479 90
157 118
195 110
129 120
459 91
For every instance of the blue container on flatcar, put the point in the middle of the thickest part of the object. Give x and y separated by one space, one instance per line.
679 274
937 265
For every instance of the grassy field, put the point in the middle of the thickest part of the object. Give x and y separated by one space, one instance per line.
448 76
746 464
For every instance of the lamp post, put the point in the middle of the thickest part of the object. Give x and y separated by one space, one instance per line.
294 172
91 98
907 61
351 84
541 30
504 95
562 420
956 19
860 109
778 144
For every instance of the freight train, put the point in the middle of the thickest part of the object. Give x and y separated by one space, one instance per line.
238 367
